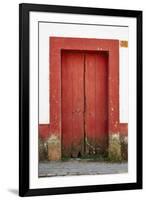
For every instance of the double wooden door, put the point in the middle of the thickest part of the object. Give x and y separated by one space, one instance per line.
84 103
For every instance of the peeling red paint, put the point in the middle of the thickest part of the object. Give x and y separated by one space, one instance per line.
44 131
123 127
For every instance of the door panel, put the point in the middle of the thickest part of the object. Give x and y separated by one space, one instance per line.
72 103
84 103
90 114
96 92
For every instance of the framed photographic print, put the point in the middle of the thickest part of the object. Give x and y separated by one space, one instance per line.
80 99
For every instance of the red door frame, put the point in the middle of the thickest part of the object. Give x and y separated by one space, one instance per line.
84 44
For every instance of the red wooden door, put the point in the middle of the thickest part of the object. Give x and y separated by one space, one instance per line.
84 103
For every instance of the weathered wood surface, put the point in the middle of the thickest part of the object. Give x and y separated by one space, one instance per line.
84 103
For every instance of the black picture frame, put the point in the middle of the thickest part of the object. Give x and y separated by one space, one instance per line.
24 9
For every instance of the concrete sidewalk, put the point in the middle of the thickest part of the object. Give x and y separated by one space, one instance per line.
80 167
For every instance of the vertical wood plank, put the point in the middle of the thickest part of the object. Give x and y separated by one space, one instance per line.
72 103
90 104
96 117
77 104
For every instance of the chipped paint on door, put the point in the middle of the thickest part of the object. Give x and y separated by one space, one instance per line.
84 103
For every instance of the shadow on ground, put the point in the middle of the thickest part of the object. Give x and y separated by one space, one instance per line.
13 191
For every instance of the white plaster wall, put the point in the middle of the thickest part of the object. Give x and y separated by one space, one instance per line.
86 31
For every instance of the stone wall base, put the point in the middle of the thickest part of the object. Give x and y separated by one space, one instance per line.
124 147
54 148
118 145
50 149
117 149
42 150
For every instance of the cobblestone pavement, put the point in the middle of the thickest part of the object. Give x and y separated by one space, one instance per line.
75 167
